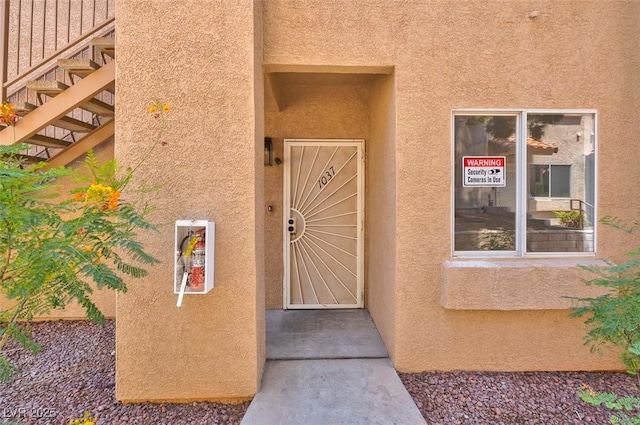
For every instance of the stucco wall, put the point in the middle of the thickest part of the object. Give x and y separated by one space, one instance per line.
381 209
533 284
478 54
259 317
202 59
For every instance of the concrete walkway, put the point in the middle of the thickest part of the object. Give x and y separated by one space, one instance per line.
328 367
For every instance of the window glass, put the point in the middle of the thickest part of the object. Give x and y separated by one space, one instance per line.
560 181
485 183
539 180
550 180
524 188
560 151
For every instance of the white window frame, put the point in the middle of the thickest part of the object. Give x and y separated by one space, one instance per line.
522 193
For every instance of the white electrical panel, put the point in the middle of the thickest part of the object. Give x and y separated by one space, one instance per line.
194 255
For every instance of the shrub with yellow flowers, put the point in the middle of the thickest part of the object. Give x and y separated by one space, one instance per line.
54 251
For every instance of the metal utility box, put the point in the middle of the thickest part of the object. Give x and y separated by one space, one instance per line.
194 257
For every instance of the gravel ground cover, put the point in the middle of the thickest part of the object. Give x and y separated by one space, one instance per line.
549 398
75 373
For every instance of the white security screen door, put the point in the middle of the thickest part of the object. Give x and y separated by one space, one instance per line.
323 223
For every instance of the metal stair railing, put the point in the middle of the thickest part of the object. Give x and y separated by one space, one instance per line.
579 205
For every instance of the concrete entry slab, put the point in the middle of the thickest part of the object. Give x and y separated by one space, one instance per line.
328 367
322 334
332 392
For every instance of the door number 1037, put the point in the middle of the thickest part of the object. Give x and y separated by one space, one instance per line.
326 177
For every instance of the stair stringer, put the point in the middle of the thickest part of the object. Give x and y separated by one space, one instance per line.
62 104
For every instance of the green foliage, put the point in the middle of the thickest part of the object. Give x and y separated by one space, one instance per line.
612 402
52 249
504 127
572 218
613 319
7 370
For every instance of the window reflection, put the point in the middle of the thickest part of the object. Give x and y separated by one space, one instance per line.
559 178
484 214
561 184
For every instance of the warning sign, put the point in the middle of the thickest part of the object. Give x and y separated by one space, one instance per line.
483 171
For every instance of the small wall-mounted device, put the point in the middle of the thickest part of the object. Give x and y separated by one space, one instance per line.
291 225
194 249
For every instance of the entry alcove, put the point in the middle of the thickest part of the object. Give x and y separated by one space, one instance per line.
336 102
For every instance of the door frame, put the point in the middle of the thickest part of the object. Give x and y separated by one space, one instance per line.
360 145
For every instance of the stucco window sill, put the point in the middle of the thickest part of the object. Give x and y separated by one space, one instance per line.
516 284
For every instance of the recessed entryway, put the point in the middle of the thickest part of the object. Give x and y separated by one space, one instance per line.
333 103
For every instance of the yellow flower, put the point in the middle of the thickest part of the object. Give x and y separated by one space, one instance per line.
105 197
85 420
8 115
157 108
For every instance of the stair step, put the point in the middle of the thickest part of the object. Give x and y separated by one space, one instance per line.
79 67
53 88
106 45
68 123
73 124
78 148
30 159
57 112
50 88
82 68
47 142
23 108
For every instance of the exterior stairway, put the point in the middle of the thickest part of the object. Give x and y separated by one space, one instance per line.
67 119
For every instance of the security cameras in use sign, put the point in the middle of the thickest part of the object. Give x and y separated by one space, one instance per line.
483 171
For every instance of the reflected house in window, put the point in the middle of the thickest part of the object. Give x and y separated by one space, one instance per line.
536 150
508 146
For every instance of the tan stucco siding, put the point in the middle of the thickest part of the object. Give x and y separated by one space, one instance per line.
523 284
199 57
381 209
478 54
259 229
